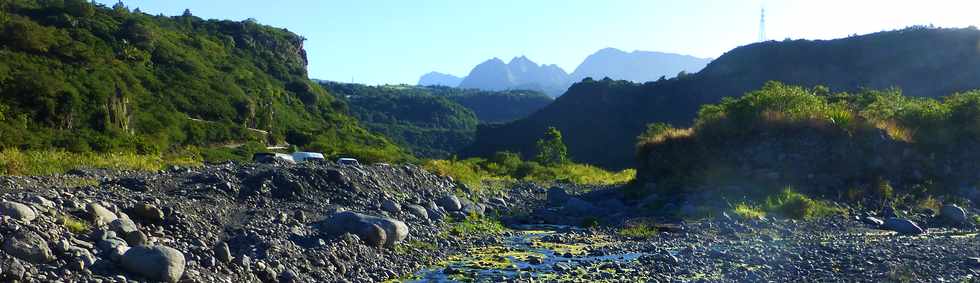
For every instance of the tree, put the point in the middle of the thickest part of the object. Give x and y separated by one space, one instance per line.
187 13
551 148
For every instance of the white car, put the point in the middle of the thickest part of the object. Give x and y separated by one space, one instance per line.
348 161
301 156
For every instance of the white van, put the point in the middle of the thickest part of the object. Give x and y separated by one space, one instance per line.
301 156
348 162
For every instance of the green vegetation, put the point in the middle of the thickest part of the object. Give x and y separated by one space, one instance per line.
73 224
789 203
82 77
638 231
478 172
551 148
863 140
432 122
747 211
475 225
16 162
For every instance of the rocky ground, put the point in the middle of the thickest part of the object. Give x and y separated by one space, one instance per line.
319 222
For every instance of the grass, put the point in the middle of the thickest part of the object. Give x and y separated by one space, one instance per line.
74 225
16 162
747 211
413 246
638 231
475 225
480 174
792 204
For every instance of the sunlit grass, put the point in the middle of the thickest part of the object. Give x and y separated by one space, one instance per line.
16 162
638 231
791 204
747 211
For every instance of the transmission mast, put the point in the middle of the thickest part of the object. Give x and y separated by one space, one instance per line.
762 26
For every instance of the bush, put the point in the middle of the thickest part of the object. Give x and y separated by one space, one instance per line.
746 211
638 231
791 204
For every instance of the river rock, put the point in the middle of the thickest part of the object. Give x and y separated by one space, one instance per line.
417 210
391 206
148 213
373 235
450 203
99 214
158 263
903 226
873 221
29 246
360 225
222 252
953 214
18 211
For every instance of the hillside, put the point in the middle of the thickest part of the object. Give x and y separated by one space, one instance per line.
923 62
434 121
86 77
636 66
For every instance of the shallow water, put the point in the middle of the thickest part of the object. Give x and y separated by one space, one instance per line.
512 260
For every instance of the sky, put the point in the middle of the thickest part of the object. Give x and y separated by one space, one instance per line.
397 41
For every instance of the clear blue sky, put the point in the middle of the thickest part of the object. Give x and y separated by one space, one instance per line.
396 41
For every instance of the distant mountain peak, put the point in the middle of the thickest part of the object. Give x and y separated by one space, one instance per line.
437 78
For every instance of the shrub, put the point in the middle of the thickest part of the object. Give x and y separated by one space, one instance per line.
789 203
746 211
74 225
638 231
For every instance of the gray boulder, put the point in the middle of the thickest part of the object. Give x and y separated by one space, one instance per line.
391 206
18 211
373 235
148 213
417 210
123 227
360 225
903 226
953 214
99 214
450 203
29 246
222 252
157 263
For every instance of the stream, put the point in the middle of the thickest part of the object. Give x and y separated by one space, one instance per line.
537 252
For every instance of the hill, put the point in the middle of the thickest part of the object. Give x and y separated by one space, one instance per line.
85 77
636 66
435 121
601 119
439 79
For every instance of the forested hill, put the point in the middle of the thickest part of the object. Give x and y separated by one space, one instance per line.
601 118
86 77
433 121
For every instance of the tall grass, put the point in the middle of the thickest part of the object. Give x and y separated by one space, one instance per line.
16 162
792 204
479 173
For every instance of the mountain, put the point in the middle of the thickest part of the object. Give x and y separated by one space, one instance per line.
636 66
519 73
440 79
433 121
600 119
85 77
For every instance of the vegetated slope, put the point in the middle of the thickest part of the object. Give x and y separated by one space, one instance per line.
600 119
85 77
429 125
636 66
872 147
496 106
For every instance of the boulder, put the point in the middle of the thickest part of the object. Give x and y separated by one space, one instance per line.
373 235
29 246
157 263
417 210
953 214
450 203
99 214
391 206
903 226
557 196
470 208
222 252
360 225
123 227
148 213
18 211
577 206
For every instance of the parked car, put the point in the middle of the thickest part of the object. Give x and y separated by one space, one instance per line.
301 156
271 157
348 162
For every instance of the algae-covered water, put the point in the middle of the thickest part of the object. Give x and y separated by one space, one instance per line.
526 256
